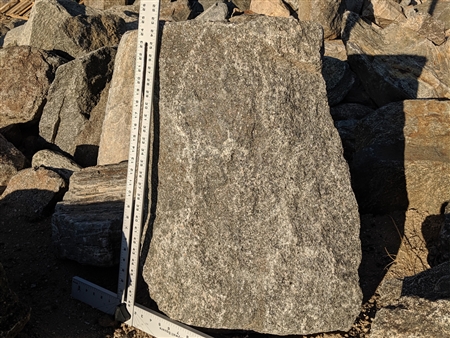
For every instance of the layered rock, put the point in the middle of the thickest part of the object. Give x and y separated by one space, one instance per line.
253 199
25 79
72 98
402 157
87 223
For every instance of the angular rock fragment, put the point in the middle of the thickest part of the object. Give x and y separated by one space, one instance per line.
253 200
55 161
11 161
71 100
25 77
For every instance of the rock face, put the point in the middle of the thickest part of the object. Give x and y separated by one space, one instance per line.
87 224
254 205
416 306
13 314
326 12
270 7
72 97
25 77
56 162
68 27
396 63
115 137
11 161
34 192
402 157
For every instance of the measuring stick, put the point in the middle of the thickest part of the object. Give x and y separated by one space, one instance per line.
122 304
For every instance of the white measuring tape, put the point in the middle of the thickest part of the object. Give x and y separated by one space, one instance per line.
122 304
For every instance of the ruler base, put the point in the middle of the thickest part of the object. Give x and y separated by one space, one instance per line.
144 319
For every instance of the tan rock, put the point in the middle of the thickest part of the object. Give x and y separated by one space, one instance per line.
335 49
270 7
383 12
11 161
115 137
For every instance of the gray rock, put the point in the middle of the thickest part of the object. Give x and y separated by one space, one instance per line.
33 192
256 224
217 12
348 111
87 223
401 154
326 12
416 306
115 137
179 10
396 63
338 78
72 97
13 313
25 78
56 162
11 161
65 26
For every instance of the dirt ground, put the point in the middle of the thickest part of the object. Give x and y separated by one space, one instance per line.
43 282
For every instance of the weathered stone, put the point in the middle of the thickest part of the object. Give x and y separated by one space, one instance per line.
56 162
270 7
68 27
105 4
115 137
402 157
72 97
439 10
243 5
335 49
426 26
383 12
416 306
326 12
33 192
13 314
254 204
338 78
25 77
11 161
217 12
179 10
6 24
395 64
87 224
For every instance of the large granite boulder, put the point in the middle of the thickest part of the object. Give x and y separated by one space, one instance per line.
256 225
396 63
402 157
74 94
25 77
65 26
87 223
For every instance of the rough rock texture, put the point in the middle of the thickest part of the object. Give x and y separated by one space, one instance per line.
68 27
11 161
115 137
416 306
253 198
383 12
217 12
338 78
335 49
87 224
396 63
56 162
72 97
13 314
34 192
179 10
402 157
270 7
326 12
25 77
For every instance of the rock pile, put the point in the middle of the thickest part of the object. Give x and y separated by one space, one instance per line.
259 121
